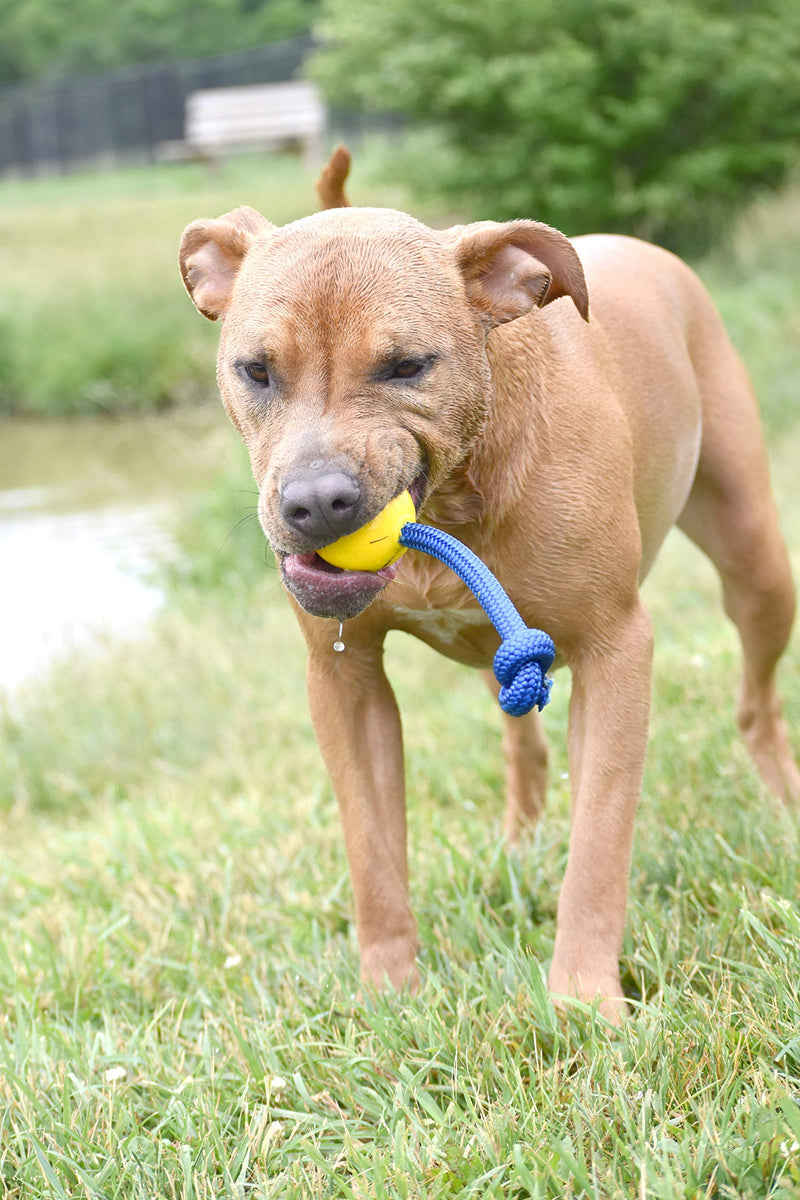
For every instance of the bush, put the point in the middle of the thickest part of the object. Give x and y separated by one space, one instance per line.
654 117
46 40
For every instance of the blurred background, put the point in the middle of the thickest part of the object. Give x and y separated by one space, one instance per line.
126 508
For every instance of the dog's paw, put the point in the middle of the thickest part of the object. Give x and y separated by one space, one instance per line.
391 964
589 987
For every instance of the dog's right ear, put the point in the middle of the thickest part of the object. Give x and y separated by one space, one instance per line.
211 254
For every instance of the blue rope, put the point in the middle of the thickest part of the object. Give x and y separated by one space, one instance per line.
525 655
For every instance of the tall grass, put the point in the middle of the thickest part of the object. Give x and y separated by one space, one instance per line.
755 280
178 968
93 316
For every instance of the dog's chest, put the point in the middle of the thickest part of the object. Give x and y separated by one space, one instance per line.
429 601
444 624
435 606
463 634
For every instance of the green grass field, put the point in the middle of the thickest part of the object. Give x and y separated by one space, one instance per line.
94 252
178 971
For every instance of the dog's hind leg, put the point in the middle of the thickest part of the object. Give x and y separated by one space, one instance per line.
731 516
525 754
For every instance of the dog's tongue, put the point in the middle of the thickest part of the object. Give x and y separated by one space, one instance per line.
309 572
317 563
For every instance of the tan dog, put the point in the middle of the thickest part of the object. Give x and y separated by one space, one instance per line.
363 353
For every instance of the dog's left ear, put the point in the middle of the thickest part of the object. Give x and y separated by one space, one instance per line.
510 269
211 254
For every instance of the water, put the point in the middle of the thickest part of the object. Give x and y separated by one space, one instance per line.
85 512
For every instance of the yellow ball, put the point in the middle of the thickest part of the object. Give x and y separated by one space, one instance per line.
376 544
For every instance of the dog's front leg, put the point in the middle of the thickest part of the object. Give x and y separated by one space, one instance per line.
357 724
609 714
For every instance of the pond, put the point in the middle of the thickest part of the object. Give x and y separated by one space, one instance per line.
85 512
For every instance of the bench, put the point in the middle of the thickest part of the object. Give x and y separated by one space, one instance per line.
260 116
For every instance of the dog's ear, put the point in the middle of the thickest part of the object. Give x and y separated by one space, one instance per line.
510 269
211 254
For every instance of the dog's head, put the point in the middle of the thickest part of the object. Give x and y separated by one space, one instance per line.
352 360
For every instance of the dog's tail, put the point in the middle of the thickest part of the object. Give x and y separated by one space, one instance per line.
330 185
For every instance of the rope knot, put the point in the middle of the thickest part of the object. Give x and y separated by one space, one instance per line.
520 666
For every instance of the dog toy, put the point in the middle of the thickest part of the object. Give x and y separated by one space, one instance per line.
376 544
524 655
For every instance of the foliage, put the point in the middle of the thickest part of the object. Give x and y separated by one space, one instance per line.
42 39
652 117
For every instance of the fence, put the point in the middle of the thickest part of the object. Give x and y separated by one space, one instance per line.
125 114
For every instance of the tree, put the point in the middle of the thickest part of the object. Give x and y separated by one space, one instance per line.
42 39
653 117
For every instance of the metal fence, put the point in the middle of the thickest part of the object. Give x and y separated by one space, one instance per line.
123 115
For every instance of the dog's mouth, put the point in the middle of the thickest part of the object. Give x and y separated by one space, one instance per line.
328 591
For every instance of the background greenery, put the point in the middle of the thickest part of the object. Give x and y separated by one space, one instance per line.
178 981
93 316
98 252
44 40
659 118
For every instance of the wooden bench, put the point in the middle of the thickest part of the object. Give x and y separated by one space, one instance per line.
260 116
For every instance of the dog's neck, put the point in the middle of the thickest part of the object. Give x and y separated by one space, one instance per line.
483 490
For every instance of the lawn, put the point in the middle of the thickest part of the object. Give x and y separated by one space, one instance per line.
178 967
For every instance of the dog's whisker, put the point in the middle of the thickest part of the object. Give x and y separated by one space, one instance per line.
249 517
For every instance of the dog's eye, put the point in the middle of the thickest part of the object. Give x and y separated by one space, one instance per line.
257 372
407 368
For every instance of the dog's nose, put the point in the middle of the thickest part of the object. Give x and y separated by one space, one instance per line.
321 504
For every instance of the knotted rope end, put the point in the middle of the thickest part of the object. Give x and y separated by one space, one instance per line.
520 667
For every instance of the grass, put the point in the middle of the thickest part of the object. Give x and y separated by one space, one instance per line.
178 971
178 968
93 316
755 280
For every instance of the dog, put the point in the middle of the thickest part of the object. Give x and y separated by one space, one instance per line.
363 353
